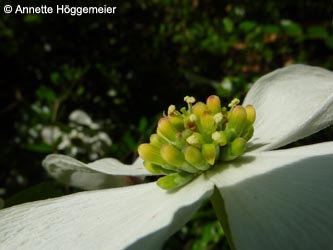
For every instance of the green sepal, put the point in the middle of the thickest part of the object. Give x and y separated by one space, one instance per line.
231 134
156 169
238 146
175 180
248 132
233 150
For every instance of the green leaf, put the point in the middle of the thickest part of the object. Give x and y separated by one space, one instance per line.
39 147
210 233
247 26
317 32
45 93
329 42
292 28
228 24
143 125
270 29
55 78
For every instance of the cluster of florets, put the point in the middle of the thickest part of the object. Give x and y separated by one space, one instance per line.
194 139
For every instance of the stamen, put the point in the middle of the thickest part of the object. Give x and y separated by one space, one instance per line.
218 118
171 109
234 103
190 100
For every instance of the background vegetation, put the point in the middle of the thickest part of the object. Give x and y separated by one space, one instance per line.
123 70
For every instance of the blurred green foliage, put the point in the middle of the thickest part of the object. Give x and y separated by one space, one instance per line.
124 69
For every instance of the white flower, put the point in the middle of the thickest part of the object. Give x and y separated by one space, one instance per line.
50 134
82 118
77 141
281 199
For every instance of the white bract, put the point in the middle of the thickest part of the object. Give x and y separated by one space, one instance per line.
280 199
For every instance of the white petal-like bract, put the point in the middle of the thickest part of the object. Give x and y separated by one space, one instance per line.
115 167
280 199
136 217
104 173
291 103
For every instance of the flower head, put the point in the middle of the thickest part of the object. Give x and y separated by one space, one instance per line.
268 198
189 142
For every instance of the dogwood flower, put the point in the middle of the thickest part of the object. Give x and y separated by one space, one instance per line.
268 198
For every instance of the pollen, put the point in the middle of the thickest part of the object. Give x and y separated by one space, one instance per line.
234 103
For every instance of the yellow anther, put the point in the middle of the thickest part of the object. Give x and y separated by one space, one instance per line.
192 140
195 139
218 118
193 117
234 103
216 136
189 99
238 146
220 137
171 109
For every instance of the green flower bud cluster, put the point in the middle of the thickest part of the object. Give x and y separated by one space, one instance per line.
194 139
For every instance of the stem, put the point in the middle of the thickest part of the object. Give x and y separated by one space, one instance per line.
218 205
55 109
